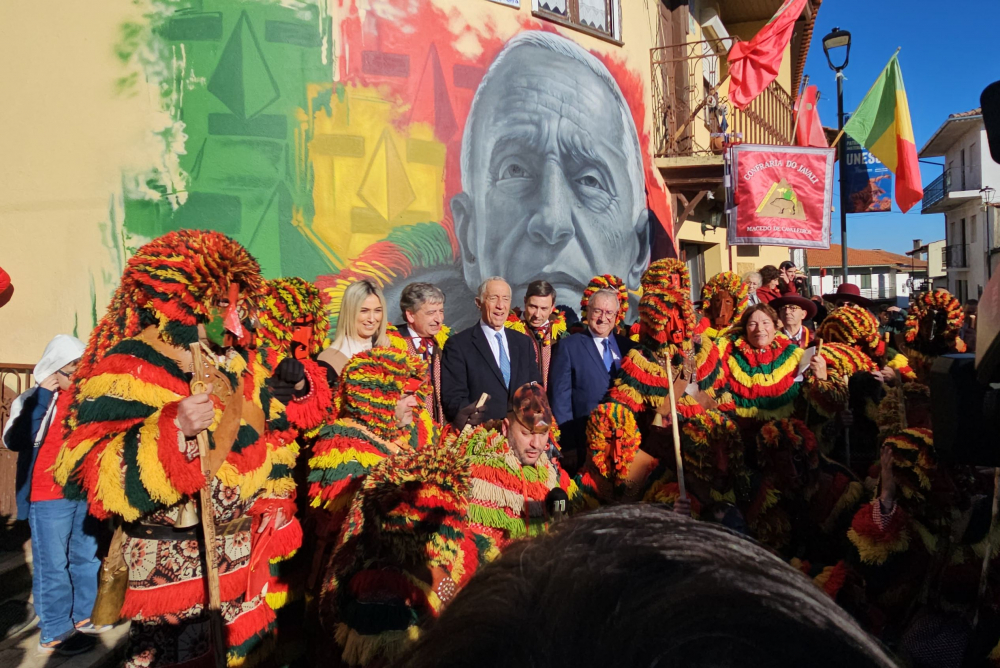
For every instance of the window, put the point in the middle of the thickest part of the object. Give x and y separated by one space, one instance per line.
748 251
866 281
595 16
944 257
972 230
963 169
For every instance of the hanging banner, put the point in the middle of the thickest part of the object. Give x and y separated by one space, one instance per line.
869 182
780 196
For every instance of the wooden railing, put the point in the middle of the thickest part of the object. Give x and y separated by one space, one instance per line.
14 379
693 116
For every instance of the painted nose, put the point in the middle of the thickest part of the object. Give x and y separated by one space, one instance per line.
553 222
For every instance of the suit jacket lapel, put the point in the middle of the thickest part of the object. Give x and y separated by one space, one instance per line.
483 346
592 350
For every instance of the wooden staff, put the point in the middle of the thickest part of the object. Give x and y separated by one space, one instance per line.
208 522
989 547
847 430
819 350
676 431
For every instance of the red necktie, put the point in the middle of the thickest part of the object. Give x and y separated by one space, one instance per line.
426 346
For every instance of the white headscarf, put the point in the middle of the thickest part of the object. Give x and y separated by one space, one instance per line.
61 350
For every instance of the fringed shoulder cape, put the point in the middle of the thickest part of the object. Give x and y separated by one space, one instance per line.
125 454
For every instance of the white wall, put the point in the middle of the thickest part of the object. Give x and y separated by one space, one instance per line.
825 285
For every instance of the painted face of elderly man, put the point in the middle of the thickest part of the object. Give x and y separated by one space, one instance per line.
551 171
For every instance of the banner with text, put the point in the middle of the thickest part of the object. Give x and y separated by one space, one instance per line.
780 196
869 182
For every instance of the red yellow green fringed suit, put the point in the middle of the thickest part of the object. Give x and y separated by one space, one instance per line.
924 556
293 325
626 450
406 550
127 457
365 432
431 354
507 499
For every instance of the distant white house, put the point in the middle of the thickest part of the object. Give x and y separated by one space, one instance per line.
880 275
936 254
970 231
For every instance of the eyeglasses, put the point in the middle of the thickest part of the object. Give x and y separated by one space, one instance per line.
601 313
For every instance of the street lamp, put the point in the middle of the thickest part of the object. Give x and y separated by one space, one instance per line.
987 193
839 42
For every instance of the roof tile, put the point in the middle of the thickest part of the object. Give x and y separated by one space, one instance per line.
860 257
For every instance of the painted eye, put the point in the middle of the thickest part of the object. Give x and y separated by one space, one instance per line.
513 170
591 179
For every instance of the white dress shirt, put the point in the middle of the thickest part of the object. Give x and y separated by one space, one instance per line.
599 342
491 338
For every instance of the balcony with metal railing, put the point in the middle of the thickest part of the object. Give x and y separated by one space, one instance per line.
692 115
950 190
936 191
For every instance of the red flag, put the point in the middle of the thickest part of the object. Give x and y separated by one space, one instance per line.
754 65
809 131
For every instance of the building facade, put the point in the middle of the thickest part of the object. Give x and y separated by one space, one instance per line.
694 122
881 276
970 229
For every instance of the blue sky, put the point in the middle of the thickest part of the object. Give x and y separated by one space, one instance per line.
946 58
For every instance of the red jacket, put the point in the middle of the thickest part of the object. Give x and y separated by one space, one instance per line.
767 295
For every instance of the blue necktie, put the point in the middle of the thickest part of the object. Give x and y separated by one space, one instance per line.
608 359
504 361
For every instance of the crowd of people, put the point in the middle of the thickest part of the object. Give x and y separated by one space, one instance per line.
359 479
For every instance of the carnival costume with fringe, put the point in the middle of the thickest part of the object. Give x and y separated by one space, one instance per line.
802 503
430 352
933 327
124 451
624 447
507 498
730 282
406 550
293 325
928 549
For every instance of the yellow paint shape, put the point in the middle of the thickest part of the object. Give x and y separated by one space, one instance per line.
385 187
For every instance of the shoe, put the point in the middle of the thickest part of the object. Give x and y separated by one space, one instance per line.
76 643
91 630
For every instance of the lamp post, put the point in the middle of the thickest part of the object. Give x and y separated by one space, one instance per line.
839 42
987 193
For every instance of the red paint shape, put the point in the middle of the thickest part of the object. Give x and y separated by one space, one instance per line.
433 104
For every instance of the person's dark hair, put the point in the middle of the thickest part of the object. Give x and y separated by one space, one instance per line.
540 289
883 308
768 273
786 265
638 585
972 302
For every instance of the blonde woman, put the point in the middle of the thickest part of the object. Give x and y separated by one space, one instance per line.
361 324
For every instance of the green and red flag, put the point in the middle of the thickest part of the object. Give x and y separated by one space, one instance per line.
754 65
882 124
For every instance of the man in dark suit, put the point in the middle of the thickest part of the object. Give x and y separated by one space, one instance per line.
583 367
488 358
422 306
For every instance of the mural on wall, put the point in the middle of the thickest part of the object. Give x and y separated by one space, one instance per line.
398 141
